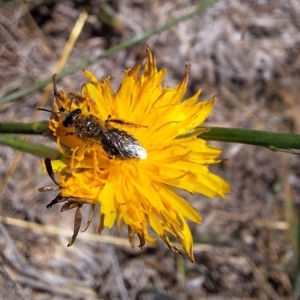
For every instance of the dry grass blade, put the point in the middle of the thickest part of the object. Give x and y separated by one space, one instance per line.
65 232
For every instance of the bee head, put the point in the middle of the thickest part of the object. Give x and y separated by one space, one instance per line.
71 118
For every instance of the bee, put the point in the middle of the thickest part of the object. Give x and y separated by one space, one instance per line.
115 142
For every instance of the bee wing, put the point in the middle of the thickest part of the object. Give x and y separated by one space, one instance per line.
103 125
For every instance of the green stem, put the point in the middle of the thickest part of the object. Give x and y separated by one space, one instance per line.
88 61
28 147
24 128
272 140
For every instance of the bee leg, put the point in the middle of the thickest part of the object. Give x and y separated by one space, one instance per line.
81 150
118 121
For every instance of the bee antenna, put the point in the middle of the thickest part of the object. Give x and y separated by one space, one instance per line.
50 111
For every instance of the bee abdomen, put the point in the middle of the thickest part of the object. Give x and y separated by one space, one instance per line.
122 145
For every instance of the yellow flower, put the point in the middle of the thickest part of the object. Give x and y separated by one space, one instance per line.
159 130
